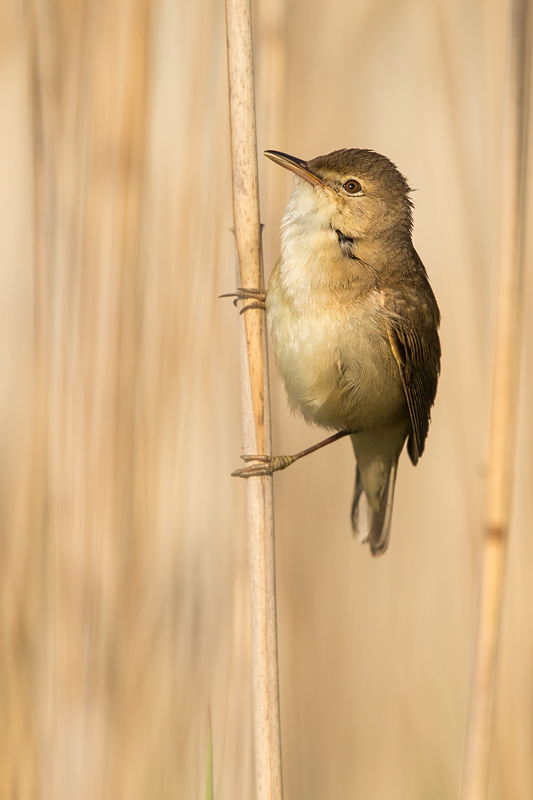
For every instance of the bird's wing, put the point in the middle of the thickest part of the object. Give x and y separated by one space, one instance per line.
414 341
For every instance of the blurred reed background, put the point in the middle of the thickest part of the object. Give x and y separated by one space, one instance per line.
123 572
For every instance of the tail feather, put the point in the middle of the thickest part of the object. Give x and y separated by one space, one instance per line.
370 523
377 455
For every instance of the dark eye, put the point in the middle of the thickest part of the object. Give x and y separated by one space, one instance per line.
352 187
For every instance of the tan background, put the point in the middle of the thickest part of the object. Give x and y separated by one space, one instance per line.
123 578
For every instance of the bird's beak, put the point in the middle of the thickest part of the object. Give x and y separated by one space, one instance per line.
295 165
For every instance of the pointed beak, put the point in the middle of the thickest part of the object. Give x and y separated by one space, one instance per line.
295 165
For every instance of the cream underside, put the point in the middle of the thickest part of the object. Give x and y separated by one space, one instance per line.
331 347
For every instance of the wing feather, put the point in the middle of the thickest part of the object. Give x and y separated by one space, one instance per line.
416 349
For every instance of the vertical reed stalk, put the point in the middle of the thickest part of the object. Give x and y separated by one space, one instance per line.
504 401
255 402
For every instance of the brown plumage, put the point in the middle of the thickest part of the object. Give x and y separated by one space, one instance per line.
353 319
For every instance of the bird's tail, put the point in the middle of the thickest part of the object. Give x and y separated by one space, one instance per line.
375 478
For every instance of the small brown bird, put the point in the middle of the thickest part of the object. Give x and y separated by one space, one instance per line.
353 322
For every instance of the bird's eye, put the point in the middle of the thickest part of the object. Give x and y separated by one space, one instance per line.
352 187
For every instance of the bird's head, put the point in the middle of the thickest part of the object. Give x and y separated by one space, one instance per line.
358 192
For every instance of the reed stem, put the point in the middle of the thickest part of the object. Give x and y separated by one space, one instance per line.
255 403
475 781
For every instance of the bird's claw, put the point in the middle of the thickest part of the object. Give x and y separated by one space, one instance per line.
257 295
267 466
255 304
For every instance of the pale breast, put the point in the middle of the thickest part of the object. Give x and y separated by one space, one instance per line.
333 356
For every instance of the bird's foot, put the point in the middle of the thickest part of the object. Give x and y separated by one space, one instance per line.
257 295
267 466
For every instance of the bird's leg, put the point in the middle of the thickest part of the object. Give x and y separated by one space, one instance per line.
270 464
257 295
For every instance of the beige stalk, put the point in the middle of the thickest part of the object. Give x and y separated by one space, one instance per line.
255 403
500 480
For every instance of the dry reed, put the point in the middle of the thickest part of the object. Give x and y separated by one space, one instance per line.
500 482
256 403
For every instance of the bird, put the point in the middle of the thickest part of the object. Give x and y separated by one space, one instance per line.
353 323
